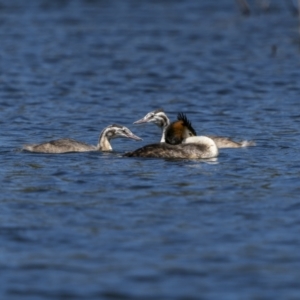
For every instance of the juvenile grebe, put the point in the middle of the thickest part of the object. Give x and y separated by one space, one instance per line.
70 145
159 118
177 134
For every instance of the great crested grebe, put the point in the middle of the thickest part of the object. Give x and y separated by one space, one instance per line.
159 118
70 145
179 143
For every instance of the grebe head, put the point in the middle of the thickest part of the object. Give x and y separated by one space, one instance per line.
115 131
157 117
179 130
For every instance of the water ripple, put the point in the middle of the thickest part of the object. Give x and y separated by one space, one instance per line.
99 225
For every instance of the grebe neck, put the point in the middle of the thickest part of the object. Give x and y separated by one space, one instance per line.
164 122
104 140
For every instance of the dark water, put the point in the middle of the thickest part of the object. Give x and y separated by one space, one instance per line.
99 226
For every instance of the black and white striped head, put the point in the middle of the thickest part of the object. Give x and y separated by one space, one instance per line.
179 130
157 117
116 131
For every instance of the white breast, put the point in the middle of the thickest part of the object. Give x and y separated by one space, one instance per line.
213 149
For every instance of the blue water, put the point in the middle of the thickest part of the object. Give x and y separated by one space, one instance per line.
100 226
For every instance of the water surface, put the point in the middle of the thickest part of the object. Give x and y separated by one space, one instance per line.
100 226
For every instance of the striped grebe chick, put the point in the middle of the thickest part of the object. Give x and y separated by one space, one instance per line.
69 145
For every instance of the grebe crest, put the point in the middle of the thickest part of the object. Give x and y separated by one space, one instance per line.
179 130
69 145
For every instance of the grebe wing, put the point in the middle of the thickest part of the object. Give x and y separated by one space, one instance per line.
164 150
152 150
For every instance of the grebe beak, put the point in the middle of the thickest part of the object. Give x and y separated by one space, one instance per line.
141 121
133 136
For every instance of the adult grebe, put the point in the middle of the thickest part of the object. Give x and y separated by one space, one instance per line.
176 146
159 118
70 145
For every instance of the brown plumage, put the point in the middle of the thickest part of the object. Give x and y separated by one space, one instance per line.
179 130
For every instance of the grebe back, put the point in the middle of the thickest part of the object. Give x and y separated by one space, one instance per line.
225 142
182 151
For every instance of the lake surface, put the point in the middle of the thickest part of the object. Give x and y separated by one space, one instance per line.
102 226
